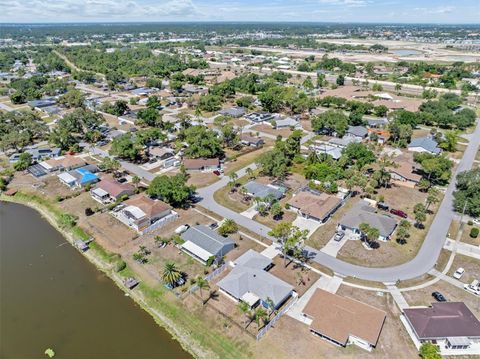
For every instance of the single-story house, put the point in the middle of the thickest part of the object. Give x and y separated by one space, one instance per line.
321 147
450 325
201 164
377 122
234 112
260 190
318 207
250 282
162 153
404 170
64 163
38 154
141 213
358 132
344 321
343 142
285 122
110 190
382 135
79 177
424 144
259 116
42 103
249 140
362 212
143 91
202 243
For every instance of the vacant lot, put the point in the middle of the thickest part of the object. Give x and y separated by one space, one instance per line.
201 179
471 266
78 204
466 236
284 132
242 160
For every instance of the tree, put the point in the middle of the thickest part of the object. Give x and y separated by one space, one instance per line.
230 135
249 172
153 102
276 210
171 189
73 98
202 142
150 116
370 233
233 180
420 213
171 274
329 122
308 84
110 164
403 231
274 163
125 146
430 351
24 161
436 168
290 237
228 226
340 80
450 141
136 180
467 193
432 197
357 154
260 315
245 309
202 285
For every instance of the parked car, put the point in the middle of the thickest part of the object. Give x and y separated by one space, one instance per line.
473 287
213 226
398 212
122 180
439 297
217 173
458 273
182 229
383 206
476 221
338 236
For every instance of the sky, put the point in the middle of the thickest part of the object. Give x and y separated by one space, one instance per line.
380 11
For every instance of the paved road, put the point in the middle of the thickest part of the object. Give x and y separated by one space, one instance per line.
422 263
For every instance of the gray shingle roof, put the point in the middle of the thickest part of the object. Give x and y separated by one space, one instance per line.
358 131
261 190
208 240
233 112
362 212
253 259
427 142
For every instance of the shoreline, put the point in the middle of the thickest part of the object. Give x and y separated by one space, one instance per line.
191 346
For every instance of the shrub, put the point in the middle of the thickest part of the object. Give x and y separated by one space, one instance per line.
67 220
474 232
88 211
120 265
470 223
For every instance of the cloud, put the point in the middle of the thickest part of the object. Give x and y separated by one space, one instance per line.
91 9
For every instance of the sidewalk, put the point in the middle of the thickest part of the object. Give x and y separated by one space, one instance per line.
463 248
397 297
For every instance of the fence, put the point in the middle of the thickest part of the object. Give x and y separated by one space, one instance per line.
208 278
171 217
264 330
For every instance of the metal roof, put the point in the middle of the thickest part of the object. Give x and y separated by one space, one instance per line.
208 240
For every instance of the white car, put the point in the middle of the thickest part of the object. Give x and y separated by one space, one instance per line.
458 273
182 229
473 287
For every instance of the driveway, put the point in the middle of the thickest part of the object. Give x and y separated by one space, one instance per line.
310 225
333 247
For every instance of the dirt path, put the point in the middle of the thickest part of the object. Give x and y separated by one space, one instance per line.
73 66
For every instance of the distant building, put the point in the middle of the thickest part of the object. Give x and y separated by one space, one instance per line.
64 163
249 140
234 112
77 178
358 132
201 164
109 190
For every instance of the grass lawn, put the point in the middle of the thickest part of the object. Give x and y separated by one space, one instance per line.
466 236
242 160
284 132
471 266
234 201
268 220
201 179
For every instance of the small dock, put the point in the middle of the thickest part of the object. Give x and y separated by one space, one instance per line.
130 282
83 245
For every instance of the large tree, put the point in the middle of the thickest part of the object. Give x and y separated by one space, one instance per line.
201 142
171 189
467 194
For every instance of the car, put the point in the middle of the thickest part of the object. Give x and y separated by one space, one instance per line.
383 206
398 212
458 273
217 173
338 236
476 221
122 180
213 226
473 287
439 297
182 229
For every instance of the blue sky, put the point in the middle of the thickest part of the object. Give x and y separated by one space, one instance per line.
385 11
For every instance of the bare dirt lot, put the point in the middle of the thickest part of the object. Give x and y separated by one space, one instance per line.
284 132
299 277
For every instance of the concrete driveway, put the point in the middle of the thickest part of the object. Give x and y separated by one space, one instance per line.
333 247
303 223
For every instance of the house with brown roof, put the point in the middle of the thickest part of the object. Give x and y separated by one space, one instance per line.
381 134
403 173
201 164
316 206
450 325
63 163
250 140
144 214
344 321
109 190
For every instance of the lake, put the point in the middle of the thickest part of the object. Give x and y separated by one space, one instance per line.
53 297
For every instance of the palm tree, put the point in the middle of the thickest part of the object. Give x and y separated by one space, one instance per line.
432 198
171 274
136 180
233 179
245 309
271 305
249 173
202 285
260 315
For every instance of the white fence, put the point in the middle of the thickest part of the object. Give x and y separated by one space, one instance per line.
264 330
171 217
209 277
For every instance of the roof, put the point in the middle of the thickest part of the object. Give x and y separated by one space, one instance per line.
150 207
207 240
339 317
427 142
404 167
65 162
358 131
233 112
242 280
251 139
343 142
333 151
84 175
286 122
262 190
67 177
253 259
161 151
114 188
199 163
362 212
318 206
442 320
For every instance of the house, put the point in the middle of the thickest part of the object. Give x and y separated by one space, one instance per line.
316 206
259 190
258 117
285 122
234 112
38 154
143 91
450 325
77 178
344 321
343 142
250 282
110 190
377 122
64 163
424 144
201 164
249 140
202 243
38 104
144 214
403 173
161 153
321 147
382 135
358 132
362 212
